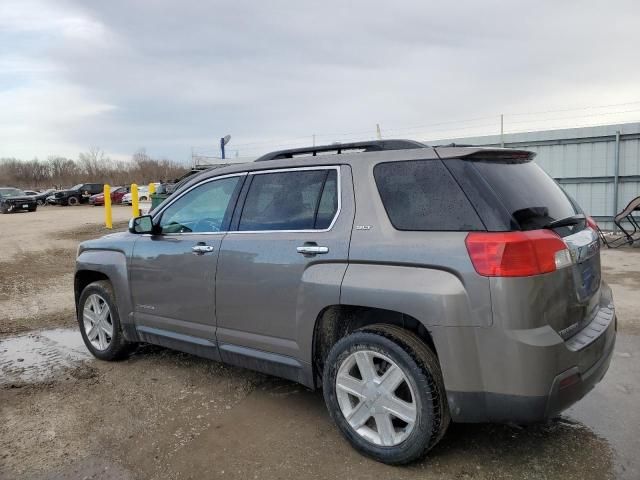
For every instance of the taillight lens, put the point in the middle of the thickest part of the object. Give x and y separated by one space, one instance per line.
517 254
592 224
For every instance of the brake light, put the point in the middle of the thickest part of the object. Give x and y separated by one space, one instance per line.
592 224
517 254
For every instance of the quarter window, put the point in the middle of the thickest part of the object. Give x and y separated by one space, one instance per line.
422 195
204 209
292 200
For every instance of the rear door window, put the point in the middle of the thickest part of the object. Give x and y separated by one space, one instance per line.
422 195
532 197
290 200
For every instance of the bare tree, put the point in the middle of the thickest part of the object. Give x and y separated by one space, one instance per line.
91 166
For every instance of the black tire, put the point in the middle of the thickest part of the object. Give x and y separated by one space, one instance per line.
34 208
73 201
119 347
5 209
421 368
143 199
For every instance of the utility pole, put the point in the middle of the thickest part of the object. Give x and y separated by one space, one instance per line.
502 130
378 132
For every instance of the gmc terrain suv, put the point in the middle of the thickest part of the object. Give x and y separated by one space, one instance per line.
415 285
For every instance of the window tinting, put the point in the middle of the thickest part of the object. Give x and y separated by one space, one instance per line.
422 195
328 202
201 210
290 201
532 197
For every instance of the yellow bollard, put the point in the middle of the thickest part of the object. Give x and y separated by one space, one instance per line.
108 217
152 189
134 200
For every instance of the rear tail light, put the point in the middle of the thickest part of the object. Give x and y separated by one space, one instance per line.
517 254
591 223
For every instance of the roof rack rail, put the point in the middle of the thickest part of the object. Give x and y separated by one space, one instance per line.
369 146
457 145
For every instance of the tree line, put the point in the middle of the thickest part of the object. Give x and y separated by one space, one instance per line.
92 166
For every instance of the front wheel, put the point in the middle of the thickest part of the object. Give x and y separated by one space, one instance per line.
384 390
99 322
73 201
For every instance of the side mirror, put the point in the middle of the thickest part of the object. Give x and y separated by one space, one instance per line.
143 224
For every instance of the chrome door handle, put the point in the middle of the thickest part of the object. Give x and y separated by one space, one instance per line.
202 248
312 249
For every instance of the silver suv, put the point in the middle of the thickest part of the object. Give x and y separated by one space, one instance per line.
415 285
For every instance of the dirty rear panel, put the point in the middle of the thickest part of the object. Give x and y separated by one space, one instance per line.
566 299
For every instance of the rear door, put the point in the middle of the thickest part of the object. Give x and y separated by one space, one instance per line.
287 252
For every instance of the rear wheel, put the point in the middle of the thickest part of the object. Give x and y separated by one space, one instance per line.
73 201
384 390
99 322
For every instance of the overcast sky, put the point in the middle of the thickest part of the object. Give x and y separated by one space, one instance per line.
172 75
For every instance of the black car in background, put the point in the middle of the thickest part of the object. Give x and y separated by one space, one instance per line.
40 197
77 194
14 199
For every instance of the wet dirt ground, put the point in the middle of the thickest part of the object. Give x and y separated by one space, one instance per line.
162 414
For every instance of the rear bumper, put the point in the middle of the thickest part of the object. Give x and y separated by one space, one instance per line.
539 376
566 389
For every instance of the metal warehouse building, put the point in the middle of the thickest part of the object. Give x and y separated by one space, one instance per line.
598 166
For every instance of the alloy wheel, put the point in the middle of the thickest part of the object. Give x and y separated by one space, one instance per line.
98 324
376 398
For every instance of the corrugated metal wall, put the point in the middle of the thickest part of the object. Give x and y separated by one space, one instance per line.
583 160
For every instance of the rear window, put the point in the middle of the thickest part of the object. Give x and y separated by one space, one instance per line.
290 200
422 195
531 196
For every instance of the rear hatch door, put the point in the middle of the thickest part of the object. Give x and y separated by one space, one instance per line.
533 201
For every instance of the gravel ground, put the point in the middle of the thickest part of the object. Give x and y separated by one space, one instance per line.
162 414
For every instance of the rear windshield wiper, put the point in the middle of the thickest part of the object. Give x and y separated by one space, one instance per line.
567 222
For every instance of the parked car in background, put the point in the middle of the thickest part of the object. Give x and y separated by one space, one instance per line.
116 196
14 199
41 197
77 194
143 195
415 285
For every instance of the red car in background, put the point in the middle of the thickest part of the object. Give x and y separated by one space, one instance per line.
116 196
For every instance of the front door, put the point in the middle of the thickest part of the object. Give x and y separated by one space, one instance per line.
172 274
287 252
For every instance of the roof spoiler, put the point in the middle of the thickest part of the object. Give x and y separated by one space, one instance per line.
489 154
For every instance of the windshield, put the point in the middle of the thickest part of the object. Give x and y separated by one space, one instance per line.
11 192
77 187
532 197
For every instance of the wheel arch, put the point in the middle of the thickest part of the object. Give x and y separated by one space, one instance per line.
337 321
110 265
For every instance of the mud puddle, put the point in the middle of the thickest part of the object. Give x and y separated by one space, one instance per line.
611 410
40 356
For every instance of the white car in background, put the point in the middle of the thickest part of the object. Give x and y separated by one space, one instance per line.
143 195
